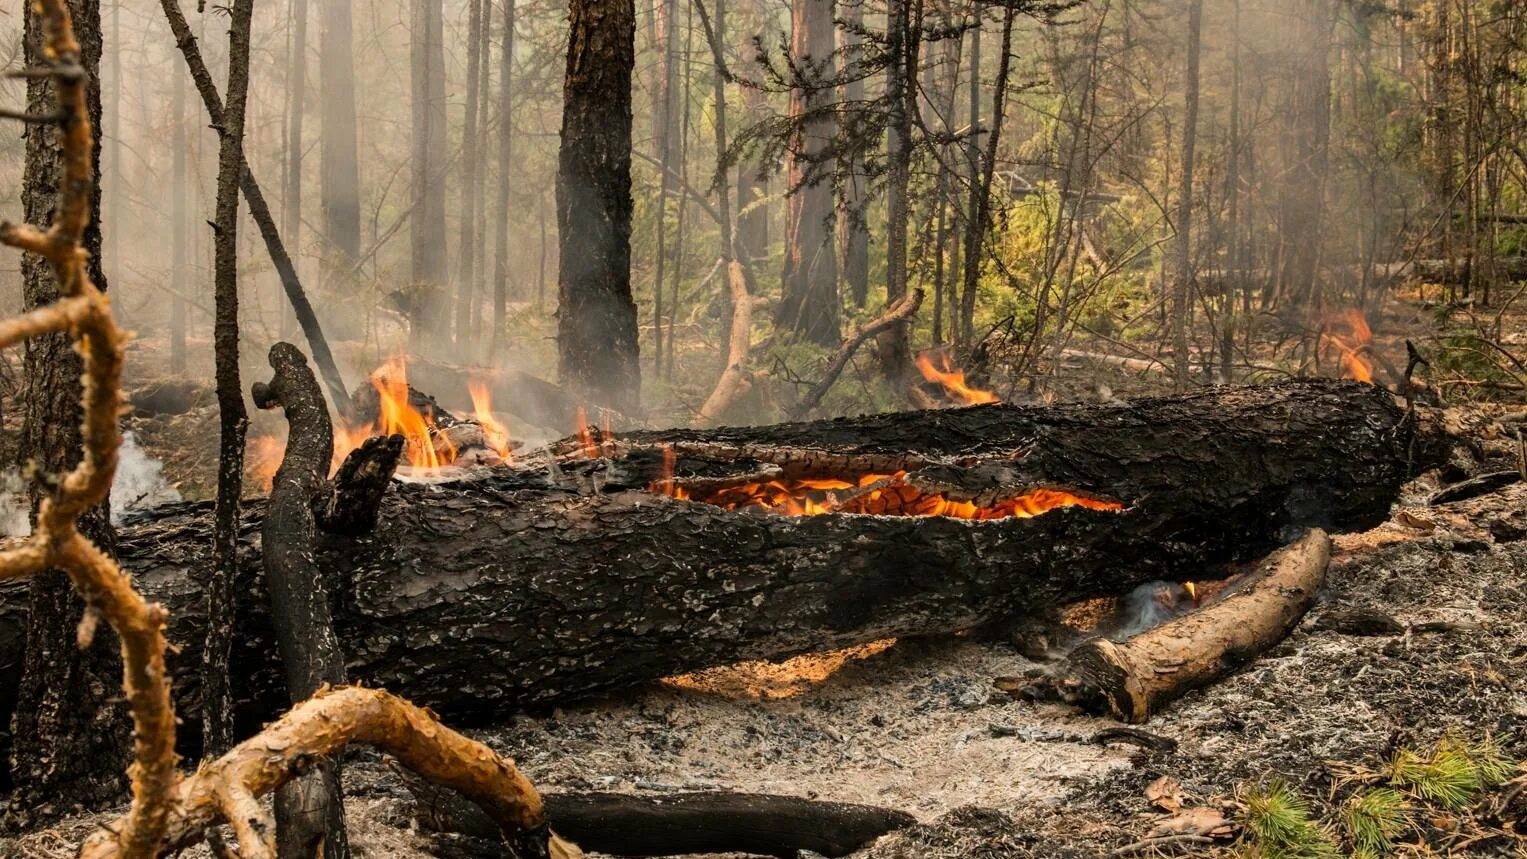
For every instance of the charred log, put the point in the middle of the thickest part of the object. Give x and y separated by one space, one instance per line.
677 824
512 587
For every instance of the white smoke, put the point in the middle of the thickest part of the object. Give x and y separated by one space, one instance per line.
140 483
15 520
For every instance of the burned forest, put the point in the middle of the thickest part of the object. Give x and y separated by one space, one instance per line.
885 429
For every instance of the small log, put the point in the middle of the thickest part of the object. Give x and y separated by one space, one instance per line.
310 809
677 824
1134 679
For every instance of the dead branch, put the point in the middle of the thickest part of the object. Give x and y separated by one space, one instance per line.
894 315
734 378
1133 679
228 787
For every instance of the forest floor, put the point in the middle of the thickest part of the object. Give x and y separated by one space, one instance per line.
917 725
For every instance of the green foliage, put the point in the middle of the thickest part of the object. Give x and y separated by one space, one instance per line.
1280 825
1373 819
1452 774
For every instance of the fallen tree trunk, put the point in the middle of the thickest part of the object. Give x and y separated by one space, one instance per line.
1134 679
515 587
678 824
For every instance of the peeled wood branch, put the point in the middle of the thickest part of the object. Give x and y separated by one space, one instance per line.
85 312
1134 679
322 726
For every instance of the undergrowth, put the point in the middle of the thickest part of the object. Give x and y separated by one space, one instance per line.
1451 776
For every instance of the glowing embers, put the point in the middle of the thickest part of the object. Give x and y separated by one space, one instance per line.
871 495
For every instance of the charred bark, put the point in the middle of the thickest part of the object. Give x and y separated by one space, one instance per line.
530 585
676 824
808 305
310 810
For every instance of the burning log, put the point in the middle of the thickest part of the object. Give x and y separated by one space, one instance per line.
1133 679
483 590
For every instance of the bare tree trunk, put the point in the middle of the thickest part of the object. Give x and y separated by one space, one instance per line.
479 211
429 321
178 220
339 168
1183 273
291 197
466 275
114 176
853 226
596 317
980 219
752 224
505 164
233 421
808 305
664 102
974 229
69 736
945 81
901 76
1302 204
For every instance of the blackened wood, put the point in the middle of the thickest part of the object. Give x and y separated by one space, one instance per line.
525 586
310 810
679 824
359 486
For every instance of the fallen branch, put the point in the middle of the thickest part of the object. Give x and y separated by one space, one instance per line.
230 787
894 315
1133 679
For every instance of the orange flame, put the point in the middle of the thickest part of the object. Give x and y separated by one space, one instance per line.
585 435
873 494
494 432
951 378
1348 331
398 416
264 457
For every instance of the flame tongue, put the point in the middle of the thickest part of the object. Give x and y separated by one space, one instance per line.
1348 331
425 448
936 367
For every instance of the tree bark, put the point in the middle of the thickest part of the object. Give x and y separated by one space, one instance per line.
531 586
428 310
233 421
597 345
339 159
69 733
808 305
310 815
901 84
